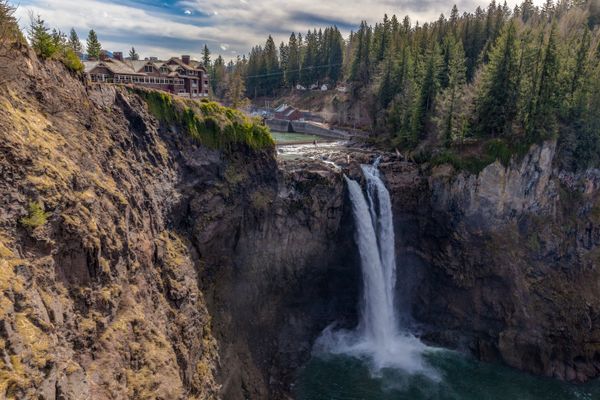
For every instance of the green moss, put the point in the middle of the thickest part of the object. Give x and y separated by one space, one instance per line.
208 123
497 149
36 217
491 151
472 164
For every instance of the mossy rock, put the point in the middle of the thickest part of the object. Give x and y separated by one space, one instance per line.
208 123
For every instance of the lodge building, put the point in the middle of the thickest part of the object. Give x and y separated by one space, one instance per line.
180 76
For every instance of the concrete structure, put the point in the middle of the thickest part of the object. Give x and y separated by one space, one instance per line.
307 127
180 76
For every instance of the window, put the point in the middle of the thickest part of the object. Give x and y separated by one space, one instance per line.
148 68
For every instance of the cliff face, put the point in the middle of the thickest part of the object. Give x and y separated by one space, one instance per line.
99 291
138 264
508 263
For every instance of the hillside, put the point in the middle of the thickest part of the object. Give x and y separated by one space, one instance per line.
100 293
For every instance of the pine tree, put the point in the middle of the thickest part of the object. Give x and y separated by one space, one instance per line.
361 66
453 121
427 93
133 54
308 74
41 40
236 89
93 46
336 55
498 94
543 121
59 39
74 42
218 76
273 71
293 65
454 19
527 10
206 57
284 55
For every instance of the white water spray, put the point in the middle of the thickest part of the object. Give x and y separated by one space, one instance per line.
378 336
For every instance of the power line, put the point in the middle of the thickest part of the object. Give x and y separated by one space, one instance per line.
213 78
295 70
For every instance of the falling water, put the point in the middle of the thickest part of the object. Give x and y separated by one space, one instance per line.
378 336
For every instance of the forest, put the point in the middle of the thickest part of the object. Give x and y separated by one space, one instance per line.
497 78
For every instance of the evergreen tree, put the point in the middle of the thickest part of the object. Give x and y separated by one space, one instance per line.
361 66
310 60
206 57
272 70
93 46
236 88
44 44
59 39
74 42
498 94
293 65
336 55
527 10
453 120
427 93
284 54
545 102
133 54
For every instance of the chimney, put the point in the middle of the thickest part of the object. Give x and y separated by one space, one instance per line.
103 55
185 59
117 55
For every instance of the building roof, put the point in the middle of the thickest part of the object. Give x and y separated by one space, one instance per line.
290 112
136 67
115 66
281 108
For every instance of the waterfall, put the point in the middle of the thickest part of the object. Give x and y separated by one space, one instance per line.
378 336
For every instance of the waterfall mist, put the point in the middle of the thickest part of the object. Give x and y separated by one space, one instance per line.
378 336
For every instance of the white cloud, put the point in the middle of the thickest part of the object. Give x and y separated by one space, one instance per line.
236 24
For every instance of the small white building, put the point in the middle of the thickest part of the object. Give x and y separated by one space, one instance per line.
324 88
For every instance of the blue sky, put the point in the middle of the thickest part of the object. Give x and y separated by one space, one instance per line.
229 27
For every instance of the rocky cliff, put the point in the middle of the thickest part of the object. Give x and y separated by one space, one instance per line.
505 264
143 256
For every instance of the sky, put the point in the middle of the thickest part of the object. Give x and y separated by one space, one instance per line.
165 28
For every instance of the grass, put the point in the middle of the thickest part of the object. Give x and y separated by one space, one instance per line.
208 123
491 151
36 217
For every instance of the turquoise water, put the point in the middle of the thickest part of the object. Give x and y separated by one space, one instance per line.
283 137
460 378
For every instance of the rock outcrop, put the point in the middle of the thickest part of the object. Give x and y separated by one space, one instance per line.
136 263
508 262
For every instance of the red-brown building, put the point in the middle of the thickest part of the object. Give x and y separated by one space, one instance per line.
181 76
288 113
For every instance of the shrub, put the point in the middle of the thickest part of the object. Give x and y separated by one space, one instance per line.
207 122
36 217
71 61
497 149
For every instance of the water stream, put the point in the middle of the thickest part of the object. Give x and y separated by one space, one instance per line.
381 360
